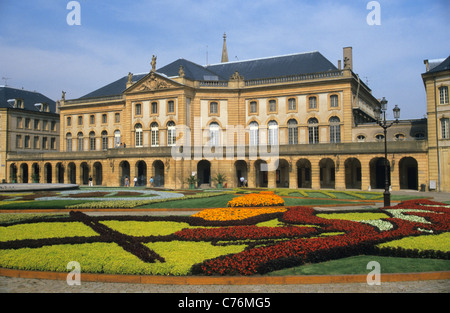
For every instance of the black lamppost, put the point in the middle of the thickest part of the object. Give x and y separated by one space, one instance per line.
383 123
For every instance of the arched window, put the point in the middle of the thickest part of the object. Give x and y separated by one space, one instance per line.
92 146
80 141
171 133
214 133
254 134
138 135
335 130
69 142
292 132
273 133
313 130
104 140
117 138
154 134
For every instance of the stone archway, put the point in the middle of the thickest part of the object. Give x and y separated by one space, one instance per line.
97 174
304 173
353 174
141 171
158 173
378 174
261 173
204 172
327 173
240 167
282 174
409 173
124 172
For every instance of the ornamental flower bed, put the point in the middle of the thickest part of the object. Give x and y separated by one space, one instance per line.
264 198
204 245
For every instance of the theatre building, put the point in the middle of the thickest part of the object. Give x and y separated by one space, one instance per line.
291 121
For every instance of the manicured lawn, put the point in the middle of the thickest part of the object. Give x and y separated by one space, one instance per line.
358 265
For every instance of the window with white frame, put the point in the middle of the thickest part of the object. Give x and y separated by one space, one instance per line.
154 134
335 130
313 130
214 133
69 142
117 138
138 136
292 104
213 108
292 132
171 134
313 102
104 140
445 131
443 95
254 134
273 133
92 146
80 141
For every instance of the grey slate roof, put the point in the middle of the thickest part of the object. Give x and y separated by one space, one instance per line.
29 98
444 66
279 66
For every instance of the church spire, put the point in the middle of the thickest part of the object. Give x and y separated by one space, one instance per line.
224 49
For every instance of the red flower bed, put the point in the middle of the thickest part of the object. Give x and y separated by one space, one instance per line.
358 238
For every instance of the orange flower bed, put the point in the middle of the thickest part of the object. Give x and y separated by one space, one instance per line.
233 214
264 198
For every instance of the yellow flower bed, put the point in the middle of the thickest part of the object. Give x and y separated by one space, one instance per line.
264 198
233 214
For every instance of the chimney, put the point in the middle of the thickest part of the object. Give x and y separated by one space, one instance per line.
339 65
348 58
427 65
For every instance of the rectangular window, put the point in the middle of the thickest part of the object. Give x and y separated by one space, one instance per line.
104 118
138 109
18 141
334 101
53 126
213 108
27 123
292 104
293 135
171 106
272 106
44 143
27 142
53 143
19 122
253 107
37 124
445 131
69 121
80 120
117 117
154 107
313 134
443 95
45 125
36 142
313 102
92 119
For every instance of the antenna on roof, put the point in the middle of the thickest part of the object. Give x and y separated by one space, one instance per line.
6 80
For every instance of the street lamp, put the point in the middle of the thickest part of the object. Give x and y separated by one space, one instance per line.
385 125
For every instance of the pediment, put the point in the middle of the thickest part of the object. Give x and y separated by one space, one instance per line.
151 82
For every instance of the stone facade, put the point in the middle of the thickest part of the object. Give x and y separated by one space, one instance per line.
287 131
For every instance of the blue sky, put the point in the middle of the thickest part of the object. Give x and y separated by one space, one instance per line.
40 51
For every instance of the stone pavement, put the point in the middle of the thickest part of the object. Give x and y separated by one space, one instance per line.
25 285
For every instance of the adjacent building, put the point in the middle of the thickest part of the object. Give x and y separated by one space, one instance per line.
29 125
436 80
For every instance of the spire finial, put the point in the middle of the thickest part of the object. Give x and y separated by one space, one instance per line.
224 49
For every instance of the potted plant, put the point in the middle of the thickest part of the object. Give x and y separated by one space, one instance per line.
192 180
219 180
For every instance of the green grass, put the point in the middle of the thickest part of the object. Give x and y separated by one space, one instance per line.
201 203
358 265
39 205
